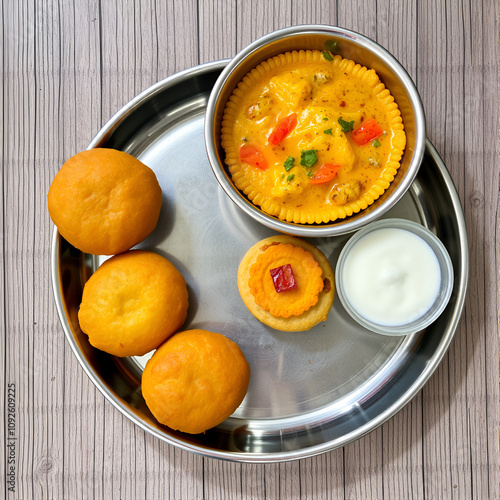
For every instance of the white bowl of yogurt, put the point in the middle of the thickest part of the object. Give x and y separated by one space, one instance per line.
394 277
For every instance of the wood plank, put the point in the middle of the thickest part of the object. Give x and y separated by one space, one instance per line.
19 230
322 476
490 151
290 480
145 39
217 30
392 16
256 19
272 480
314 12
434 64
48 338
358 16
8 429
364 466
131 61
100 406
253 481
170 472
478 174
454 154
166 41
283 480
189 478
402 451
73 51
120 68
402 434
121 460
222 480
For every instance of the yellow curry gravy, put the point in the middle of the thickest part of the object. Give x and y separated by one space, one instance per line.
329 98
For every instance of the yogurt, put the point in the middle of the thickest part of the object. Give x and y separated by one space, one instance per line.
391 277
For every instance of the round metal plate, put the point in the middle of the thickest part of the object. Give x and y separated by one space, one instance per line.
309 392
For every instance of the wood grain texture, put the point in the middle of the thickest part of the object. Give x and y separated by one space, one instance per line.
48 416
19 258
489 199
3 299
434 62
67 67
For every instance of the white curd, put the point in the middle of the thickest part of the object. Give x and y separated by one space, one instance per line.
391 277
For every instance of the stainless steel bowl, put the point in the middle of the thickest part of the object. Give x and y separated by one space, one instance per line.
350 45
445 287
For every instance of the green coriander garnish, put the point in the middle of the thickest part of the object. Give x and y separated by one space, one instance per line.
328 131
325 119
346 126
310 173
376 144
308 158
327 55
289 163
290 177
332 46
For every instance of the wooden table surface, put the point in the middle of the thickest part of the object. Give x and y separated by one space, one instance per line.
68 66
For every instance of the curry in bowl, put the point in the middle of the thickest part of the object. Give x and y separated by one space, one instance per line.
311 137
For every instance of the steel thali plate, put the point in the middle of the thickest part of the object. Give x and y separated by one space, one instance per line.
310 392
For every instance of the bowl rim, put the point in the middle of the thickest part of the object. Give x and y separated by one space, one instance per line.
327 229
446 267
